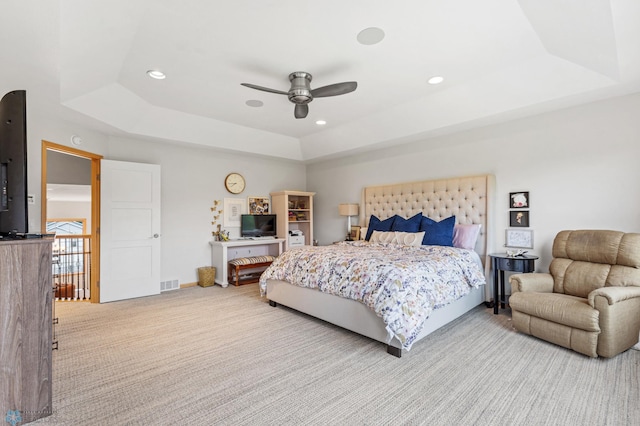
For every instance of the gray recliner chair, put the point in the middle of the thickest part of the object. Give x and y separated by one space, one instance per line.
590 299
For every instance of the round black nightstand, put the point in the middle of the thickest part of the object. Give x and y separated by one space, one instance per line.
501 262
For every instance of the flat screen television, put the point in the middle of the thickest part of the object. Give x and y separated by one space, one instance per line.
13 164
258 225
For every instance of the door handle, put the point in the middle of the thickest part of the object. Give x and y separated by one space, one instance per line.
156 235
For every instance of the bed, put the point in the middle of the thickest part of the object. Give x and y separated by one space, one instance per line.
469 199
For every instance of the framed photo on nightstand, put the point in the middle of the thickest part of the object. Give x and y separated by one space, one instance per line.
354 235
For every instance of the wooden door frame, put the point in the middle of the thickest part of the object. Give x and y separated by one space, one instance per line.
95 206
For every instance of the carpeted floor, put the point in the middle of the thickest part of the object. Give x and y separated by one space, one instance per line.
214 356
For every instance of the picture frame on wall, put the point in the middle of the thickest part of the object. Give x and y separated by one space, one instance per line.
233 210
519 238
519 219
258 205
519 200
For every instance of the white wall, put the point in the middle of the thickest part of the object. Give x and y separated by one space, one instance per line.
580 165
40 126
192 178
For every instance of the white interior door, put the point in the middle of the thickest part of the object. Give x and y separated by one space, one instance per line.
129 230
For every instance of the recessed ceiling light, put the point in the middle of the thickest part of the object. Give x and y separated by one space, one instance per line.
321 122
254 103
436 80
158 75
370 36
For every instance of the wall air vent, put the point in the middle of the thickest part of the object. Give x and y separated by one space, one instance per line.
169 285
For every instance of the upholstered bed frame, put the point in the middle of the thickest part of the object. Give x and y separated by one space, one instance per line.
470 199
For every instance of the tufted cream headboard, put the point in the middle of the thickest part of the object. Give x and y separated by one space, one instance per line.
470 199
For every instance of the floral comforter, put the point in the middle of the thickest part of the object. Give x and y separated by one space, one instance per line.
401 284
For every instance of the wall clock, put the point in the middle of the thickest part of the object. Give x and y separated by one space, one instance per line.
234 182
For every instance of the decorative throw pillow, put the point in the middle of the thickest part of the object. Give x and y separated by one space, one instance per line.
438 233
396 237
465 236
376 224
407 225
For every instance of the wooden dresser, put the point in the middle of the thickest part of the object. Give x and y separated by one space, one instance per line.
25 328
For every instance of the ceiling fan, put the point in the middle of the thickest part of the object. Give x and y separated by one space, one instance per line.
301 93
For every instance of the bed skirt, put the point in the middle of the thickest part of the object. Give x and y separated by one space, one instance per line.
355 316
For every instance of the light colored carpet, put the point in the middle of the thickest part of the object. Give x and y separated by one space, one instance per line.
214 356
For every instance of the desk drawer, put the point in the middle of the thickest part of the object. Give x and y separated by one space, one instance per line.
248 251
516 265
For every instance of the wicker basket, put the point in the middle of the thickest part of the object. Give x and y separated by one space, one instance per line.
206 276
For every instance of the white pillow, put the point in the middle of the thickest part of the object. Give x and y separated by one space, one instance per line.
397 237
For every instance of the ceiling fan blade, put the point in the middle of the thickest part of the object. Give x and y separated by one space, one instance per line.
301 111
334 89
264 89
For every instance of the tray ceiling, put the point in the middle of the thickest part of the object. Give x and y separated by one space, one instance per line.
500 60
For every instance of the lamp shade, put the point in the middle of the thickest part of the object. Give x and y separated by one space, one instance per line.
348 209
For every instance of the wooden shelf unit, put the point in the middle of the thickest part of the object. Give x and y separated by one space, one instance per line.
295 212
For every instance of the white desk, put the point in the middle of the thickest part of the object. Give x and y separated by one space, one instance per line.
224 251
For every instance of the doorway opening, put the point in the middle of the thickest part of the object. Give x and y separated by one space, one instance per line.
71 209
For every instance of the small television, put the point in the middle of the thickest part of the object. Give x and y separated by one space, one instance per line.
13 164
257 225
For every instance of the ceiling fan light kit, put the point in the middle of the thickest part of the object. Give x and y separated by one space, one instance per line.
301 93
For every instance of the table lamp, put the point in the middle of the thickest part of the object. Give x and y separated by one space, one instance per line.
348 210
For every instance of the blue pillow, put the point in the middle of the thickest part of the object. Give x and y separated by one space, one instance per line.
407 225
376 224
438 233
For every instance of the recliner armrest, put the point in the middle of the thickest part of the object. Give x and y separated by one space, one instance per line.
614 294
536 282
